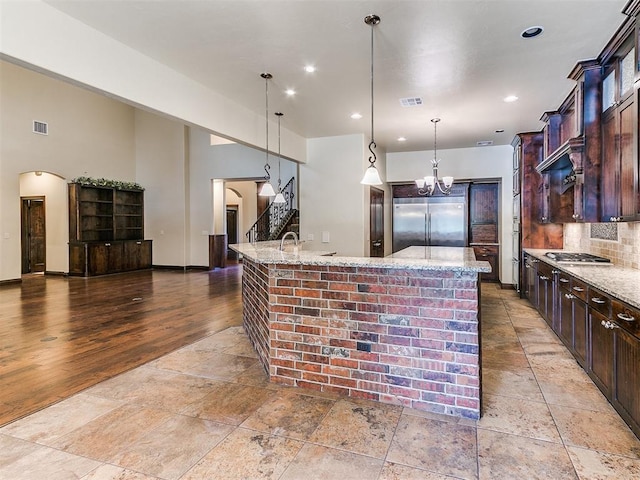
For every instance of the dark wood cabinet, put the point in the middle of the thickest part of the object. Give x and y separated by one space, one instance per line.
530 279
106 231
619 185
545 288
626 378
601 360
571 321
534 233
602 333
483 225
491 254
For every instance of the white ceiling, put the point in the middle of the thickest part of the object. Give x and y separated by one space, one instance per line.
461 56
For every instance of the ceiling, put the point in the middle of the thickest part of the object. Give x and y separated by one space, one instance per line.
462 57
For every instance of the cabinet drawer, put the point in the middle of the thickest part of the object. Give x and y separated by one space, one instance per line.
564 281
481 250
600 302
545 270
626 316
579 289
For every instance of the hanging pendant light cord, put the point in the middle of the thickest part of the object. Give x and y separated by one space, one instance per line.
372 159
279 114
267 167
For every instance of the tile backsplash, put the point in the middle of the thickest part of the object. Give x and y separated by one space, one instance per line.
624 252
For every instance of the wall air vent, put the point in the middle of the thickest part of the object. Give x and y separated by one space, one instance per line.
484 143
411 101
41 128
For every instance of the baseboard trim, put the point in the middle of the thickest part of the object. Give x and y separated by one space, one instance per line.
11 281
181 268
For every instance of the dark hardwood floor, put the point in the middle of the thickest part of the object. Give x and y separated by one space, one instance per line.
60 335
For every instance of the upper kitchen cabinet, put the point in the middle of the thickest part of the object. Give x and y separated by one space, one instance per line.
619 182
536 231
571 167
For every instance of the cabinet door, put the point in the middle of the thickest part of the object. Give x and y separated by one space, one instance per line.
600 367
483 212
580 335
627 376
565 318
104 258
531 280
619 184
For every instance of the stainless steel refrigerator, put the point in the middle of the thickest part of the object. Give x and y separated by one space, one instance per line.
435 221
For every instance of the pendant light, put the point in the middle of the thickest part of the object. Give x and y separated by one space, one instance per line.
427 185
279 197
371 175
267 188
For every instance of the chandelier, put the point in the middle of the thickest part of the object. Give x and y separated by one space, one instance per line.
427 185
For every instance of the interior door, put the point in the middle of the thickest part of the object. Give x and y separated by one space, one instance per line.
33 234
232 230
376 222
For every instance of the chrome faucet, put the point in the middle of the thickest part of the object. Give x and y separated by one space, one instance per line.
295 238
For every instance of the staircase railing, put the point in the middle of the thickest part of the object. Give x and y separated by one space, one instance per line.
269 224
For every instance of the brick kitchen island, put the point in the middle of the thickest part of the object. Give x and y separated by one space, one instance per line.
403 329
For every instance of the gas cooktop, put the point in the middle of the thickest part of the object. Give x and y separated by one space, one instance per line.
578 258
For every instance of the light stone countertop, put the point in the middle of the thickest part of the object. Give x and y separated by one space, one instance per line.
619 282
460 259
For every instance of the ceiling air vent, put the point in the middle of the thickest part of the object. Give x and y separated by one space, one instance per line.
40 127
484 143
411 101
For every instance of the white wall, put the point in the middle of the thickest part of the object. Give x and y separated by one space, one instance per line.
332 199
76 51
224 162
468 164
161 166
89 134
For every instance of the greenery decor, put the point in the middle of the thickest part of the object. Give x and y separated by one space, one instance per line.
103 182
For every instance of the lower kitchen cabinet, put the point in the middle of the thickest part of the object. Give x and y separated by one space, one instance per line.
529 278
571 321
491 254
602 332
545 288
100 258
601 360
626 381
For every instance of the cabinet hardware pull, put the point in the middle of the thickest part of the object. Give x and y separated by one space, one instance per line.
570 297
603 323
107 244
578 289
564 280
598 300
138 243
554 272
626 317
543 277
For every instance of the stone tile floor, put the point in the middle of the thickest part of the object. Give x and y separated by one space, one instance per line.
207 412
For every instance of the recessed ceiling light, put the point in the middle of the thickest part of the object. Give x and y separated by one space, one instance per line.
532 32
356 116
510 98
402 139
500 130
290 91
309 68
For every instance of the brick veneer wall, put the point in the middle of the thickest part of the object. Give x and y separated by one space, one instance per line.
255 307
421 327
